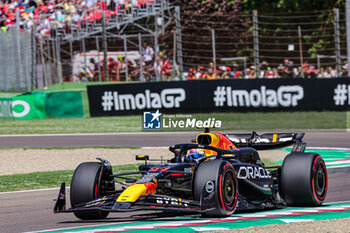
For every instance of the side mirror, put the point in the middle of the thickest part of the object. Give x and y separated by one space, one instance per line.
142 157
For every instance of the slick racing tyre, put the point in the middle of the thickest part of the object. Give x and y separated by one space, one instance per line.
84 188
220 177
303 179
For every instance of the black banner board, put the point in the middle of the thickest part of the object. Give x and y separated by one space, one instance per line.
220 96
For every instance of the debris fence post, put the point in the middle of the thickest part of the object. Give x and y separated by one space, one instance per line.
256 42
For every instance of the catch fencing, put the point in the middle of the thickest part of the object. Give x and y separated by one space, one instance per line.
242 45
17 61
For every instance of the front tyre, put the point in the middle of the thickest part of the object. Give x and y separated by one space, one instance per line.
85 188
304 179
222 174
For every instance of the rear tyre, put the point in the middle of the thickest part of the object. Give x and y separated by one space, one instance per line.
85 188
303 179
226 186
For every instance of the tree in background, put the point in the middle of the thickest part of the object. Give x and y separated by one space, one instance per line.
279 6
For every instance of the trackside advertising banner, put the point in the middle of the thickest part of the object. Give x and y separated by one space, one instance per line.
220 96
40 105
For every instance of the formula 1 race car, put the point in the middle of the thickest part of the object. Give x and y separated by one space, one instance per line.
214 176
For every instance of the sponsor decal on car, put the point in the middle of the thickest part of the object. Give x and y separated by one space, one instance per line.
209 186
247 172
171 201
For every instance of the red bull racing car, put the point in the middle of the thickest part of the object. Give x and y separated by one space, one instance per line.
214 176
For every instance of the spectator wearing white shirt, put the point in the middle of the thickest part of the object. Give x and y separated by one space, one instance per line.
147 53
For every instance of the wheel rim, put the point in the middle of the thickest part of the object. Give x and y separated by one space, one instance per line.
229 190
320 180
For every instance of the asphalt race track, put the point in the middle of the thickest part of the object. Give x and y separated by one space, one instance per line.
31 211
313 138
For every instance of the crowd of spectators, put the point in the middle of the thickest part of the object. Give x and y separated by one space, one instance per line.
161 69
123 69
49 15
285 70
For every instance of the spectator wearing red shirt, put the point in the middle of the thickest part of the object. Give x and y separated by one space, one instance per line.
191 75
113 71
201 74
166 69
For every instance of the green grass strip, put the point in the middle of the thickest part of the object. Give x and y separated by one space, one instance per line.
39 180
230 121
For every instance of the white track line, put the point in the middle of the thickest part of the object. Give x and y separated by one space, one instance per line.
336 202
30 191
337 166
327 148
71 228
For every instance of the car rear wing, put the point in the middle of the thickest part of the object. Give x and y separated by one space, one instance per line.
268 141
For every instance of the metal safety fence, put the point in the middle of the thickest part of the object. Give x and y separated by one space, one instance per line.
182 46
17 61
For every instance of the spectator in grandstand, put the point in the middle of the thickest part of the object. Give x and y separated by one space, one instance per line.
147 53
247 72
122 69
263 69
225 74
149 71
344 70
158 68
44 26
191 75
251 74
113 71
303 69
166 69
293 69
312 72
285 70
234 71
128 4
211 65
211 74
201 74
306 69
275 73
126 63
95 70
329 73
76 78
83 76
238 75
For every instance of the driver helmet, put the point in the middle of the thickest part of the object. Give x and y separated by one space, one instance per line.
195 154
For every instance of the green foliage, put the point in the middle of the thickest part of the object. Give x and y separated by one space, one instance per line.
313 51
280 6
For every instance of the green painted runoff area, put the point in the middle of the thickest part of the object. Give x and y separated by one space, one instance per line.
259 218
330 156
